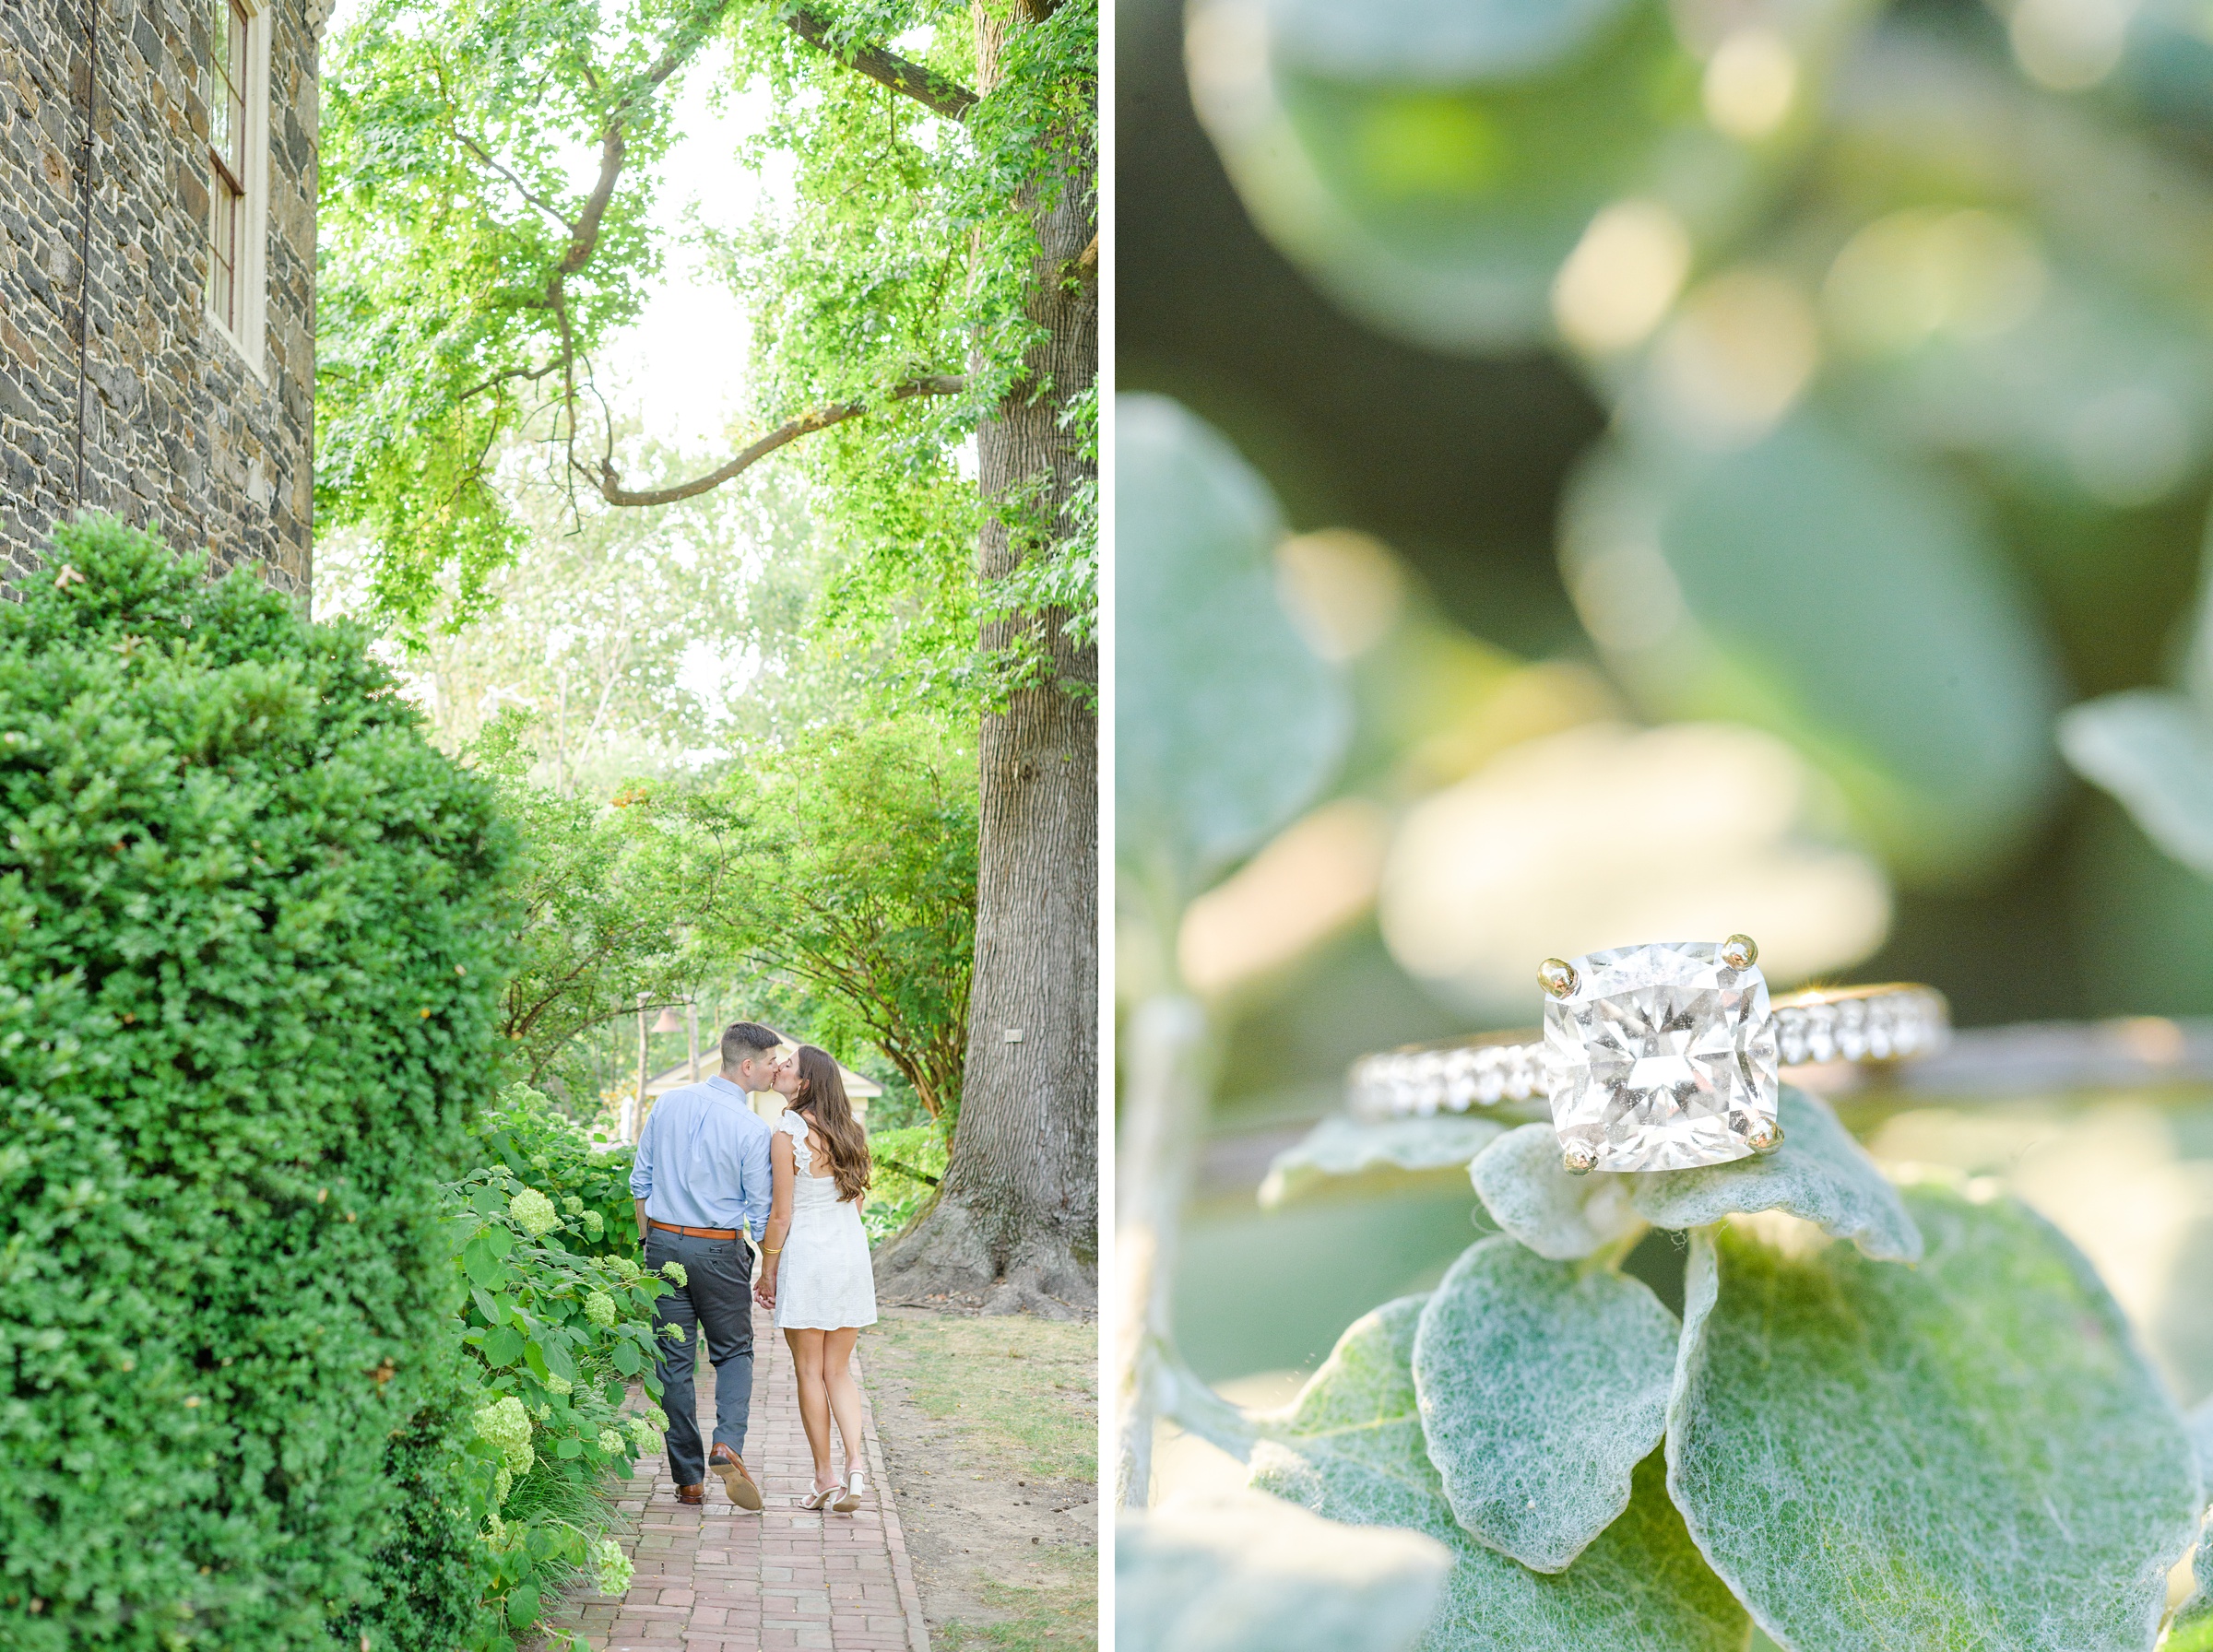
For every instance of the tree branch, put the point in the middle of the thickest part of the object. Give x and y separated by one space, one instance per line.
530 196
610 481
924 85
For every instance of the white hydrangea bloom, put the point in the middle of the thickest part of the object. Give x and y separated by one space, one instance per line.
506 1425
533 1212
674 1274
614 1566
599 1308
558 1384
611 1442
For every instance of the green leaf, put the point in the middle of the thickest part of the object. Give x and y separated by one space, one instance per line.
1225 722
626 1358
487 1305
503 1347
568 1446
1438 204
534 1356
1341 1147
1243 1573
557 1356
482 1266
1542 1386
522 1605
498 1241
1844 597
1819 1174
1969 1453
1433 43
2154 753
1530 1194
2193 1630
1351 1449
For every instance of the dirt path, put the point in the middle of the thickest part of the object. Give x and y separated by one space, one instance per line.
990 1429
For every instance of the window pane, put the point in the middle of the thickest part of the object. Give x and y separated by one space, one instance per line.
238 88
222 272
235 152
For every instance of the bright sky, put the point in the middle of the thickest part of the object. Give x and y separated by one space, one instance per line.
682 368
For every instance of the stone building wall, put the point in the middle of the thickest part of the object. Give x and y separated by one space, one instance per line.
178 435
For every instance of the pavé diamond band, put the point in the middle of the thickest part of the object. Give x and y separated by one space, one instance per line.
1660 1057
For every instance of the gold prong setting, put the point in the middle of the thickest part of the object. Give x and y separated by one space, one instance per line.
1765 1137
1578 1158
1558 978
1740 951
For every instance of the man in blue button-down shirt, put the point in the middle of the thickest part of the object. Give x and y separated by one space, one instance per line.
702 1174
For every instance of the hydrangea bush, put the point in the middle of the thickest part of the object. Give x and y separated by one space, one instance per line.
536 1423
586 1175
248 953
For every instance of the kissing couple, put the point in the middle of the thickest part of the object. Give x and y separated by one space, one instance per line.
708 1166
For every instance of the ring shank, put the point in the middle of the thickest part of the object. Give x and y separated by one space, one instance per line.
1889 1023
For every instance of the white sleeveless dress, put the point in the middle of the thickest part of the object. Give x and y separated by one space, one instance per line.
826 1283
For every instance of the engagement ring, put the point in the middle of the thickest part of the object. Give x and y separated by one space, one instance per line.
1662 1057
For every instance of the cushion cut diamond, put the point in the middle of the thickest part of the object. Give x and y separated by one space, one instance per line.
1664 1057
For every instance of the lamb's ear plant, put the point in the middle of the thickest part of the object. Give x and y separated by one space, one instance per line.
1888 1416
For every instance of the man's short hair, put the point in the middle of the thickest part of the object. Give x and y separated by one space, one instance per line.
741 1039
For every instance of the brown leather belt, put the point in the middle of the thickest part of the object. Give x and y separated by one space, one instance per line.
669 1227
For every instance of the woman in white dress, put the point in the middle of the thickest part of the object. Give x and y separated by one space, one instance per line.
815 1271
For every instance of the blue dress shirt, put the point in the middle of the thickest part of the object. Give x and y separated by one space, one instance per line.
703 1160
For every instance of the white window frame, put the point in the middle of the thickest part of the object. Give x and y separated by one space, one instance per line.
250 339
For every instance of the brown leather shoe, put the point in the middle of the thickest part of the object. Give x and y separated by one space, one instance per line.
692 1496
722 1461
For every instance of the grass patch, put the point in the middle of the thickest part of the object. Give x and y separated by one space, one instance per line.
1052 1617
1027 1411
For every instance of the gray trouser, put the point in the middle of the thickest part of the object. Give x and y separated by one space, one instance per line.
715 1302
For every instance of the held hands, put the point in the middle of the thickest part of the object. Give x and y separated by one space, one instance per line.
765 1288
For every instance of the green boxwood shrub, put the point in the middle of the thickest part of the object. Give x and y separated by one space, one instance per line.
249 921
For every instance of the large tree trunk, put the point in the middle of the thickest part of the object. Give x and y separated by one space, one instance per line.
1016 1219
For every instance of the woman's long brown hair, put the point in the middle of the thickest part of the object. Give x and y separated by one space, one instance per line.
822 1102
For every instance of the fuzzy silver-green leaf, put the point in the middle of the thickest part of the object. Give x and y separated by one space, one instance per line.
1819 1174
1530 1194
1341 1147
1351 1449
1542 1386
1244 1573
1227 722
1972 1453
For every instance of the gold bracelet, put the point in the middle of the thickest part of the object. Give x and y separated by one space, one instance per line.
772 1250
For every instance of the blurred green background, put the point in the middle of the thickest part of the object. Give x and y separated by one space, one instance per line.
1723 442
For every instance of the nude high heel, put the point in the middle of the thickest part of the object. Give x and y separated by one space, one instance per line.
848 1496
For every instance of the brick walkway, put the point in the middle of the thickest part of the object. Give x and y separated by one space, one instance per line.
717 1579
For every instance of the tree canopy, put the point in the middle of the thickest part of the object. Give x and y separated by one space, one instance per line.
490 168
